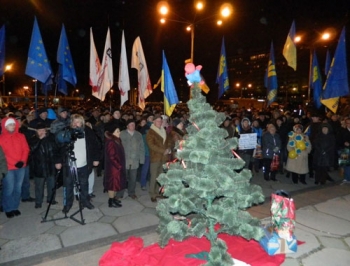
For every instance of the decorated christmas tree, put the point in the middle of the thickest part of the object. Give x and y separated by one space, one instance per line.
204 193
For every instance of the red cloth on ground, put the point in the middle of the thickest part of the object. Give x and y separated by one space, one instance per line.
132 253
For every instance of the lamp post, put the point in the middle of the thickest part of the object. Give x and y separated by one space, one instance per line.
164 9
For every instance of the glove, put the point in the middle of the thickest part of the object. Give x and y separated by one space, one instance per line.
19 164
276 149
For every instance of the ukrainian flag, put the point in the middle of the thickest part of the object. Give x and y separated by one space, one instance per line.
168 88
289 49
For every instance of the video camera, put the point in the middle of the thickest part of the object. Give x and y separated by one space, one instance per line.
68 135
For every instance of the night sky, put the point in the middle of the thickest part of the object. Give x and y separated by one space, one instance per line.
252 26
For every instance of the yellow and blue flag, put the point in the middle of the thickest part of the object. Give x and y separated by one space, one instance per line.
168 88
271 78
65 61
2 50
316 81
289 49
222 76
337 79
38 65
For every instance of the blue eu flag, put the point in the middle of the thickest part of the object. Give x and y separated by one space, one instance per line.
64 58
38 65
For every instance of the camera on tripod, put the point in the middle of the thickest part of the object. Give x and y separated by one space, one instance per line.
68 135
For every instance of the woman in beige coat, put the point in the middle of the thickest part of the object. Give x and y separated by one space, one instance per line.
298 147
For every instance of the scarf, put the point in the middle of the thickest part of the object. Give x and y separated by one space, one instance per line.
160 131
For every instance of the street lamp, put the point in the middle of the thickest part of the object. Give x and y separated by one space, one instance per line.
164 9
7 68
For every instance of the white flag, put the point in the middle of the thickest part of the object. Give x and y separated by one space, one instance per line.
123 83
105 80
138 61
95 65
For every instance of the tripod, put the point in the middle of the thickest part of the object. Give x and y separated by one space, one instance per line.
73 173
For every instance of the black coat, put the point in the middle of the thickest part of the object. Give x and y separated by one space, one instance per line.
42 156
324 149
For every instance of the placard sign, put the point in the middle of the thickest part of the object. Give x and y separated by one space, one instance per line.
247 141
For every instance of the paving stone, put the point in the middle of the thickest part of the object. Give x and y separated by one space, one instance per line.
56 230
332 242
24 226
347 241
146 201
107 219
83 233
135 221
150 210
129 206
320 223
311 243
290 262
328 256
29 246
338 207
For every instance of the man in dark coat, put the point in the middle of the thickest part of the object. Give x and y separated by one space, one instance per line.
43 149
324 146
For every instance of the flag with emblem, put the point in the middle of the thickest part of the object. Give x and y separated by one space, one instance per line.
38 65
316 81
95 65
222 76
105 78
271 78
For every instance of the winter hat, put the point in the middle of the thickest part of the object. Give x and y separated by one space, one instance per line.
61 109
130 121
40 126
51 114
10 121
42 110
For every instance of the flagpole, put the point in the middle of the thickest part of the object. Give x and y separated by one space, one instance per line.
35 95
310 73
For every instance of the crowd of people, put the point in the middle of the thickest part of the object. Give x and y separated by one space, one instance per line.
127 145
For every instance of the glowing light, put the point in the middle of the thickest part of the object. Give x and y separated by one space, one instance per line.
237 85
326 36
226 10
199 5
219 22
162 20
297 39
163 7
188 28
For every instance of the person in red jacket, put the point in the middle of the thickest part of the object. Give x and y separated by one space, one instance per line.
16 152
